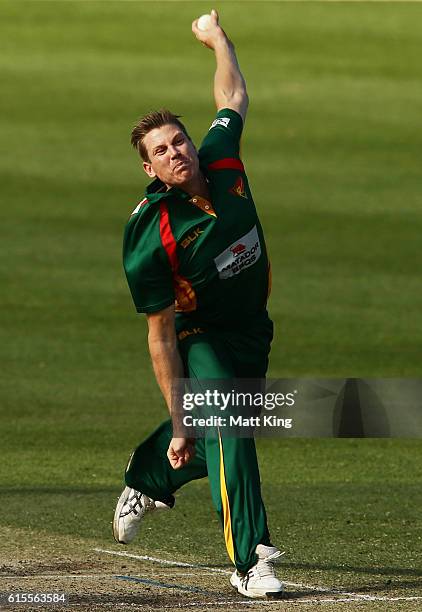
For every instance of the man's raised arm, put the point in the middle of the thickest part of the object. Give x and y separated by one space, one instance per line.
229 84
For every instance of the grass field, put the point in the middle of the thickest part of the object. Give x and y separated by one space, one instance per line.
332 148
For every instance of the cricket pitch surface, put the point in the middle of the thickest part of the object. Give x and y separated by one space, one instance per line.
122 578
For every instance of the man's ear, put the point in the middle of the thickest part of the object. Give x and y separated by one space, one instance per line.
148 169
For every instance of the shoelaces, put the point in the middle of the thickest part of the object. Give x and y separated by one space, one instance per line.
133 504
263 569
138 503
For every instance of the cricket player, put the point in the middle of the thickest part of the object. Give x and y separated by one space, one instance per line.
196 264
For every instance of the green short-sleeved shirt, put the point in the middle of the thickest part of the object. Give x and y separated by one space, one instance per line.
208 257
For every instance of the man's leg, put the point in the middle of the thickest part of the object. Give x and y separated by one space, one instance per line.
236 493
149 470
231 462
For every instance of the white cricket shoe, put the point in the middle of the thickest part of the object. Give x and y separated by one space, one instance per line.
260 580
130 510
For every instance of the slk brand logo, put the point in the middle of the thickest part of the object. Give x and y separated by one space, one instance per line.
190 332
240 255
191 237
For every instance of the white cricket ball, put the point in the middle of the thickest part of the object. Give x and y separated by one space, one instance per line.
204 22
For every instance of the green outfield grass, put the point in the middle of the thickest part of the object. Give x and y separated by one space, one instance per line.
332 148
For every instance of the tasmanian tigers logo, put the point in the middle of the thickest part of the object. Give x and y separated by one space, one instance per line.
238 188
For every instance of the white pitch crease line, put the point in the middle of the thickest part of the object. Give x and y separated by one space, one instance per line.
351 596
216 570
197 566
70 576
164 561
295 602
56 576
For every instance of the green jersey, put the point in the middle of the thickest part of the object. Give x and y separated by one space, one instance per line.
207 257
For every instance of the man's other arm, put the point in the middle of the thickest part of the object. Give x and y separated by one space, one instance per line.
229 84
167 365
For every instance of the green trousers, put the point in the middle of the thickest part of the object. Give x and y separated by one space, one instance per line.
230 463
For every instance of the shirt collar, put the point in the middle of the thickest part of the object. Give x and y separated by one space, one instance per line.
156 186
158 189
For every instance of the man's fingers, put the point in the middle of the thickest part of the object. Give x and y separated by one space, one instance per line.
174 459
178 457
177 463
206 36
190 452
189 455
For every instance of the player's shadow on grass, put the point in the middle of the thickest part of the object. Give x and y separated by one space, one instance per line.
46 490
367 589
390 583
383 571
387 585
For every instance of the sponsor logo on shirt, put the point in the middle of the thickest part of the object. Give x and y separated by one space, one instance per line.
190 332
239 248
240 255
191 237
238 188
224 121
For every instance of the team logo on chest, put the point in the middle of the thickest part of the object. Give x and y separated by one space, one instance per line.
238 188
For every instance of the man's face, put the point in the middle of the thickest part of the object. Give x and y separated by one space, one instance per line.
173 157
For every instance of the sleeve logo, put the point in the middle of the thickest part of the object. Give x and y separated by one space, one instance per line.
238 188
224 121
240 255
137 209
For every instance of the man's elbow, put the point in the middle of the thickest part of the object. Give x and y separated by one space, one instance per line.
237 100
236 96
160 338
161 327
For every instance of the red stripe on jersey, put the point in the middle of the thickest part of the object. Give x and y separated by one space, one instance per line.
228 163
167 238
184 292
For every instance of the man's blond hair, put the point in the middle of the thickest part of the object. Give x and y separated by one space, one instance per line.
154 119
